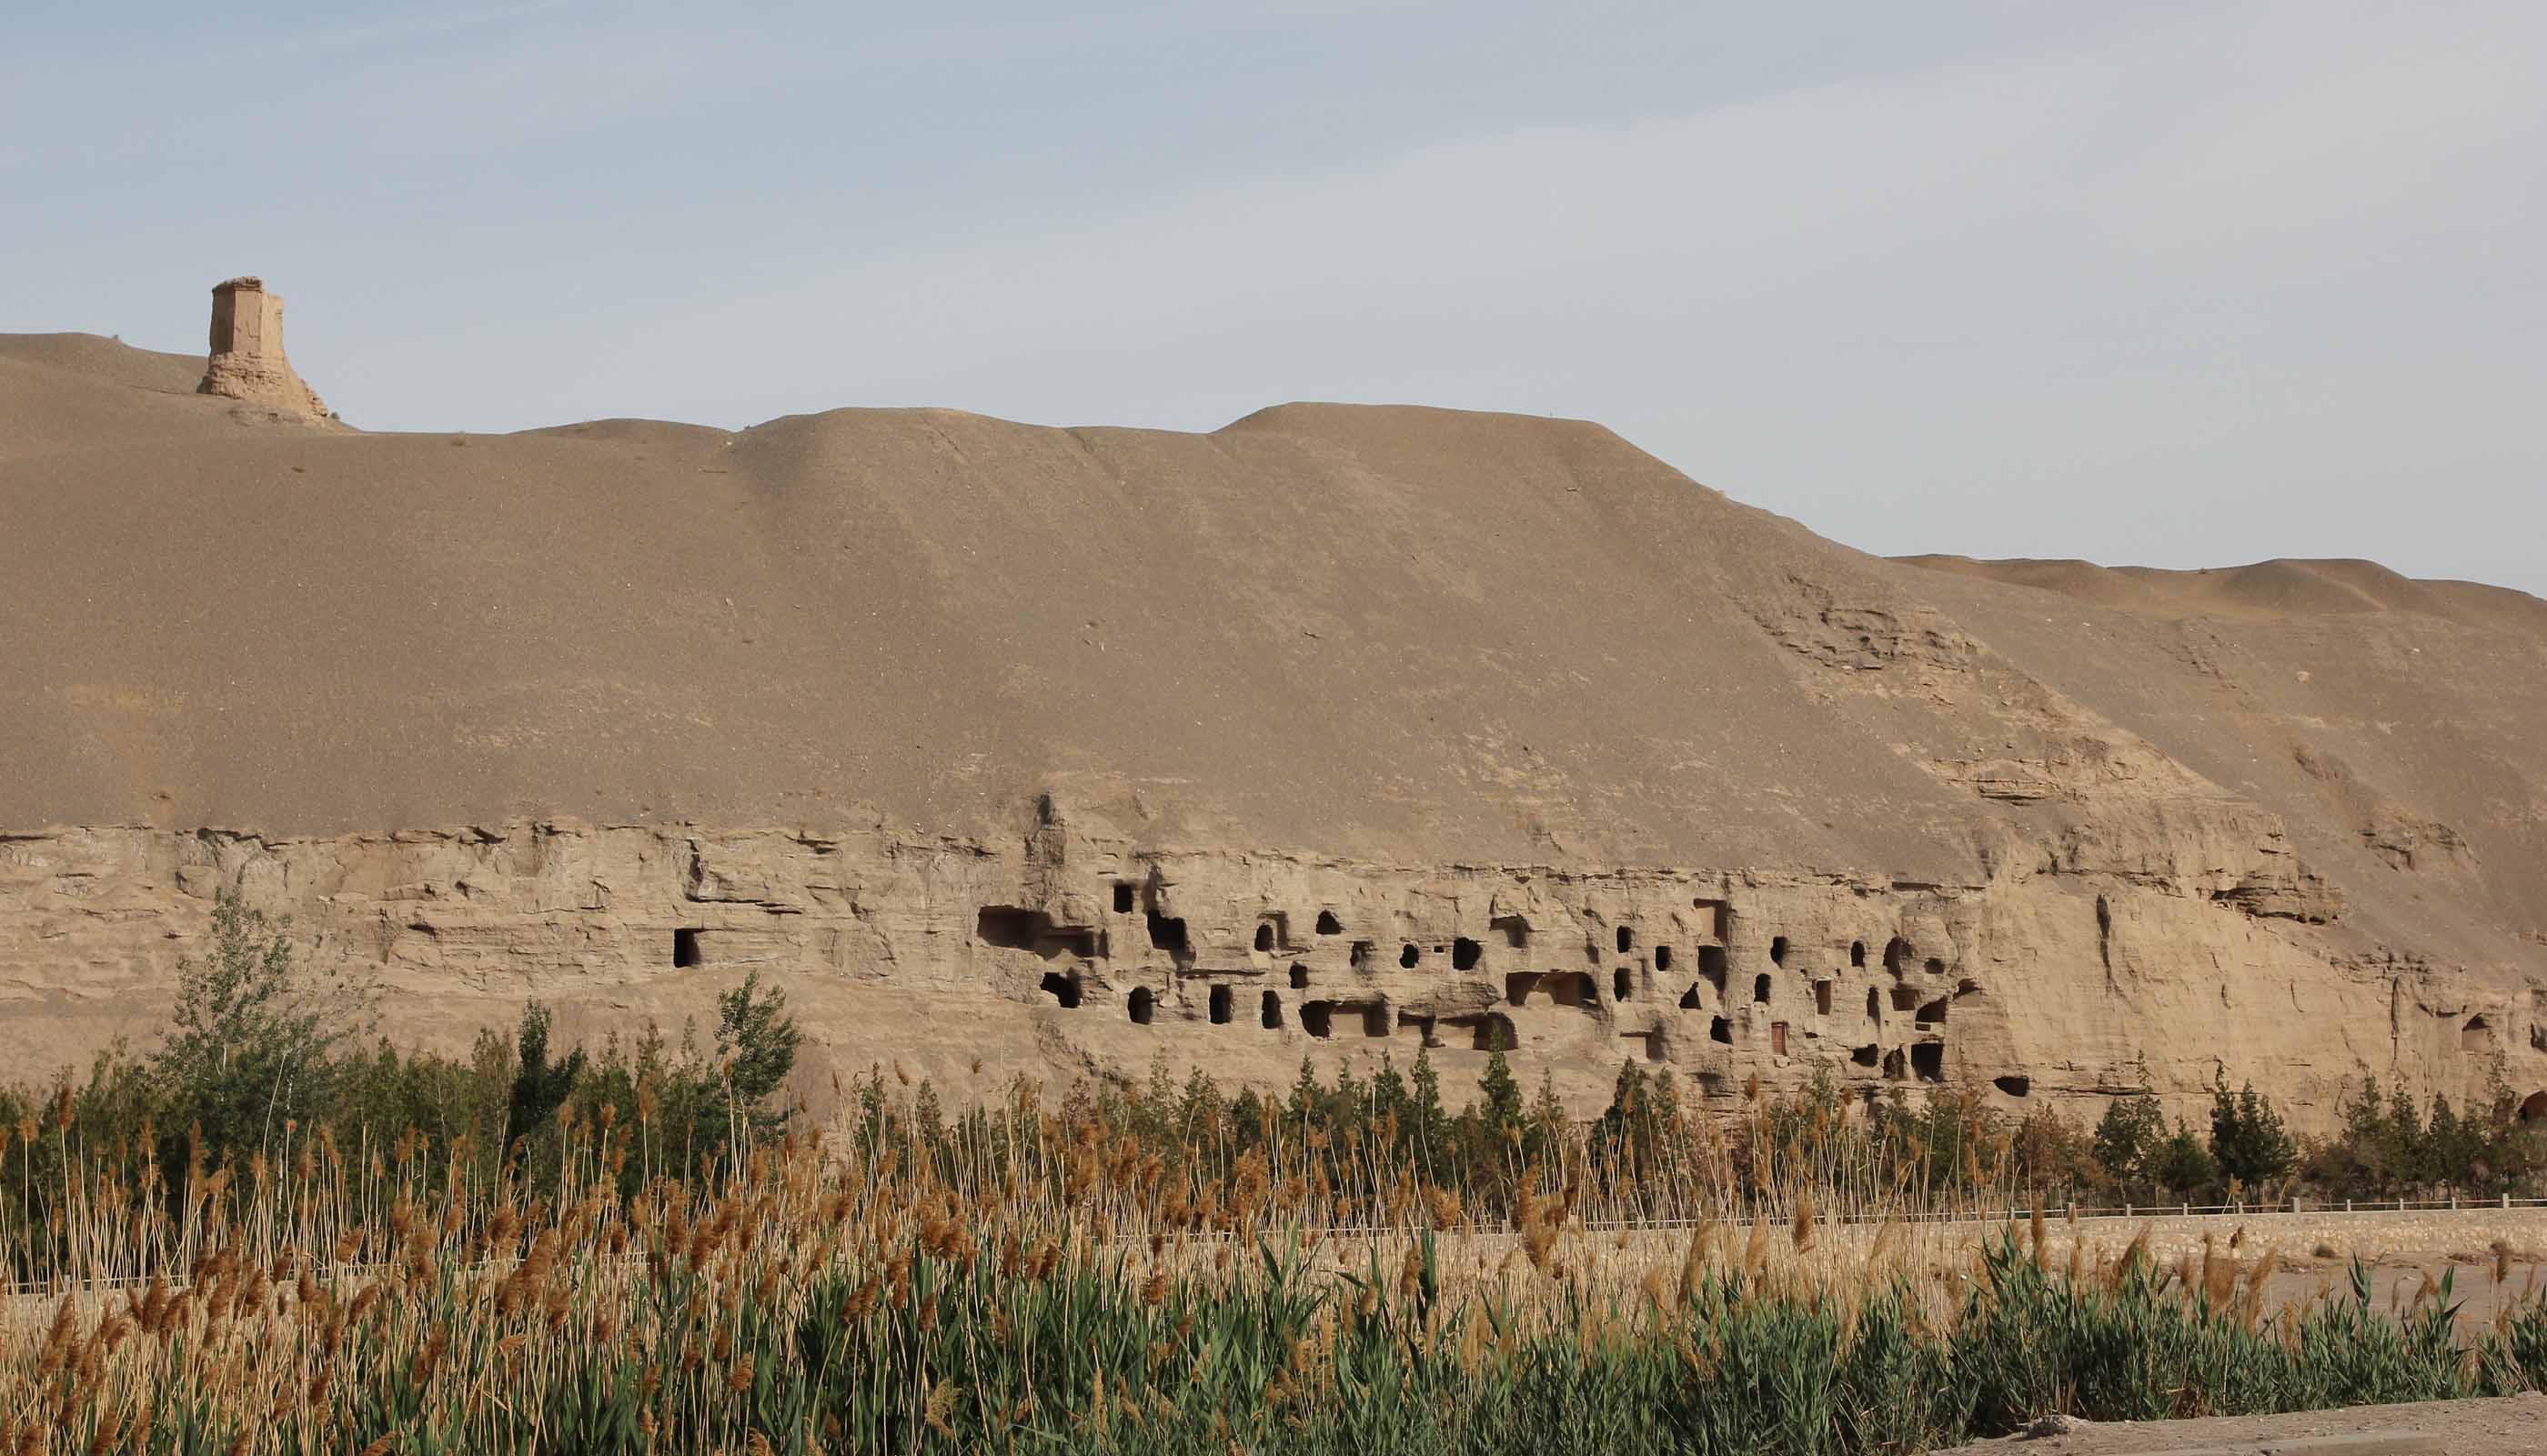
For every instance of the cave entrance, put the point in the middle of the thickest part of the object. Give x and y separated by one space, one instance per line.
1061 988
1143 1004
1220 999
1464 954
686 949
1271 1013
1928 1062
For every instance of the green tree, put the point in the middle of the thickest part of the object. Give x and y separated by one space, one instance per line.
1502 1092
1430 1130
540 1086
2129 1133
755 1047
2184 1166
249 1044
2248 1140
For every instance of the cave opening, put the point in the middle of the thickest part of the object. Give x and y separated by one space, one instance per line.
1220 999
1061 988
1711 964
1464 954
686 949
1144 1004
1328 924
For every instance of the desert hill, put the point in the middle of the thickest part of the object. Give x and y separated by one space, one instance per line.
1015 748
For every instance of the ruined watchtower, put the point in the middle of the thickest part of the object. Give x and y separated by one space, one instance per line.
247 360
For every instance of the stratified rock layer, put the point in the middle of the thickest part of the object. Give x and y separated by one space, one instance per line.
1024 750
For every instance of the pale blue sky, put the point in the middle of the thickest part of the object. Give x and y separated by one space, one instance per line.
2167 283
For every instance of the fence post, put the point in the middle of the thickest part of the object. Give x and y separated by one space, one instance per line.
2347 1205
2127 1210
2507 1200
2184 1211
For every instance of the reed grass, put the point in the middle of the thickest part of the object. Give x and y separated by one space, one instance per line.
1049 1281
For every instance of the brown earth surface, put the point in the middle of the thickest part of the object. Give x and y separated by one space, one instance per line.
2511 1426
1013 750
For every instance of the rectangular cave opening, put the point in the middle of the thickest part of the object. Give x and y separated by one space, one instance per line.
1220 999
1928 1062
1122 897
686 949
1823 996
1778 1038
1012 928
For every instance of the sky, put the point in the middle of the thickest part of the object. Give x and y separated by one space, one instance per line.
2159 283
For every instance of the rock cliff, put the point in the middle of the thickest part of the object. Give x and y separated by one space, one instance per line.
1010 749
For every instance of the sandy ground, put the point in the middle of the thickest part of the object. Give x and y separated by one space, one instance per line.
2515 1425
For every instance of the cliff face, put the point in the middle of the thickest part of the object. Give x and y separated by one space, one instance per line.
1013 749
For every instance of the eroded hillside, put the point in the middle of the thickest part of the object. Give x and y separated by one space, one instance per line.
1022 749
